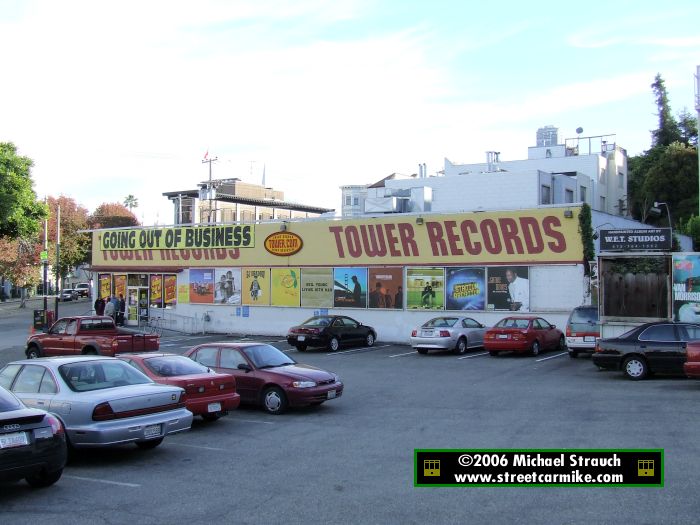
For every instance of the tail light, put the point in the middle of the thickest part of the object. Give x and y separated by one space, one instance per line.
103 412
568 331
597 347
489 335
56 425
518 336
414 333
444 333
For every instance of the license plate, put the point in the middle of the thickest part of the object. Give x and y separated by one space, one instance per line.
427 333
331 394
502 336
18 439
214 407
589 339
151 431
301 338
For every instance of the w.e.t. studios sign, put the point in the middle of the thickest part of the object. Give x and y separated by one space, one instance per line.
635 240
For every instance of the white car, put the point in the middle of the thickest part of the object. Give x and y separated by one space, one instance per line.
448 333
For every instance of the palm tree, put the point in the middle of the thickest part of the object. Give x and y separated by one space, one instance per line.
131 202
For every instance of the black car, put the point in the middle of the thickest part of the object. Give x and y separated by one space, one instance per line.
32 443
651 347
330 331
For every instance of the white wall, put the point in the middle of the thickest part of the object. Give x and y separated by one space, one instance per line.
554 291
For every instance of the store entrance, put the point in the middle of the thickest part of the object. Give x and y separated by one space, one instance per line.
137 306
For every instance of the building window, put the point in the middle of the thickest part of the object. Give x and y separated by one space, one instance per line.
568 196
620 180
602 204
582 193
348 200
355 201
621 207
546 195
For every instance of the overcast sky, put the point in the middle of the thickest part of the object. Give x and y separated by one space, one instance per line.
118 98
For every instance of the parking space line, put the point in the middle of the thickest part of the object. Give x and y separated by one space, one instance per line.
200 447
255 421
407 353
96 480
356 350
473 355
552 356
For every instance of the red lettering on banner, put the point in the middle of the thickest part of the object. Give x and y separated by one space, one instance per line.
453 238
548 224
389 228
336 230
373 240
435 236
408 243
491 236
468 227
511 240
532 235
352 238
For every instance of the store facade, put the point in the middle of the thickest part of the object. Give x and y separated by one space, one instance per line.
392 272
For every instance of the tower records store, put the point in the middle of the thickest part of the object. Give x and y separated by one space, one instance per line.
392 272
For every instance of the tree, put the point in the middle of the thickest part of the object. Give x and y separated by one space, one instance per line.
131 202
74 249
667 132
19 262
112 215
20 212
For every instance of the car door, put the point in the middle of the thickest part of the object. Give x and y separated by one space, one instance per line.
52 344
68 339
248 383
662 347
686 332
354 333
339 330
473 331
28 387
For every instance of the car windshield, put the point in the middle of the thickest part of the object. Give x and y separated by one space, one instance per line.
266 356
8 402
441 322
584 315
174 365
98 375
317 321
510 322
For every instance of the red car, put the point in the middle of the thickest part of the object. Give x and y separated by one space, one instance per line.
692 365
209 394
523 334
268 377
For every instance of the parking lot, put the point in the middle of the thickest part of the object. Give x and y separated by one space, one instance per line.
350 460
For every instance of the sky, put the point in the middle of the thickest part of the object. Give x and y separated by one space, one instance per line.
117 98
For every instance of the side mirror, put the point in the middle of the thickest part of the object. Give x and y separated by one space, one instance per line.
554 326
244 366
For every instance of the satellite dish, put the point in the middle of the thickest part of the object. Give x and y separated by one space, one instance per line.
579 130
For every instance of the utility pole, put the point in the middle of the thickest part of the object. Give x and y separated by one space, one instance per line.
58 258
45 262
210 186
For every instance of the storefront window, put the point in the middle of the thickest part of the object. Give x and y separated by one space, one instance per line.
169 291
156 291
138 279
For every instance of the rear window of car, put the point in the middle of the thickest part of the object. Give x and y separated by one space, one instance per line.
169 366
8 401
441 322
513 323
98 375
317 321
96 324
584 315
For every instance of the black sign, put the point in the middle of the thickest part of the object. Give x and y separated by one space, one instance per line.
635 240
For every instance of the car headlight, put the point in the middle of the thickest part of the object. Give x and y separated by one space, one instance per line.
303 384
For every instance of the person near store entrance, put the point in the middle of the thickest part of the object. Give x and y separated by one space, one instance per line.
99 306
121 309
110 310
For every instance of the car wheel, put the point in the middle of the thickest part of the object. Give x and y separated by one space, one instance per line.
210 417
33 352
461 346
493 353
562 344
274 401
369 340
635 368
301 348
333 344
44 479
535 349
150 444
573 354
422 350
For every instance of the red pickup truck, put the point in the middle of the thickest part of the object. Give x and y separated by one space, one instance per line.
96 335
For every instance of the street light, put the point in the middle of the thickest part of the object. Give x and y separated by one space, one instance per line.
656 210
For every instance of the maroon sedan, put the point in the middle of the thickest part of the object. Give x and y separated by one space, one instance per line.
268 377
692 365
523 334
209 394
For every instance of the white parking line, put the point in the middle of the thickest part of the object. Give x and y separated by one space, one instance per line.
355 350
255 421
552 357
201 447
407 353
473 355
96 480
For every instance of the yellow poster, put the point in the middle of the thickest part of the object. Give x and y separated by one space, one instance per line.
156 290
105 289
183 293
256 286
120 285
286 286
170 287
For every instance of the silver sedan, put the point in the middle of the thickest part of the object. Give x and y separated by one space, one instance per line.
101 400
448 333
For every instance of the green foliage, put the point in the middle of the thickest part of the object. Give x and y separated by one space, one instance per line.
112 215
131 202
74 248
691 228
668 131
586 230
20 213
638 265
